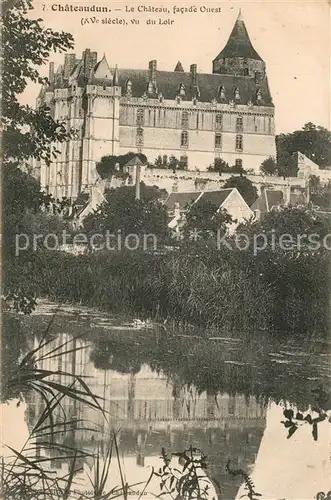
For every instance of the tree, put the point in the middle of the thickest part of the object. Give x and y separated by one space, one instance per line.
204 218
27 132
313 141
219 166
245 187
122 212
269 166
107 166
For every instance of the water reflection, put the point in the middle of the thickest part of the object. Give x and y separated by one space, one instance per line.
173 391
149 411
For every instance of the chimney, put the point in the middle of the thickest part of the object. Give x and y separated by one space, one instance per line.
69 64
152 65
115 77
287 194
89 61
193 71
51 73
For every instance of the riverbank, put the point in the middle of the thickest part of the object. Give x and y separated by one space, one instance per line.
195 285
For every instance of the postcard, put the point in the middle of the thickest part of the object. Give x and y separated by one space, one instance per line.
166 205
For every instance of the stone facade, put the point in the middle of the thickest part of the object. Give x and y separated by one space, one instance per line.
193 116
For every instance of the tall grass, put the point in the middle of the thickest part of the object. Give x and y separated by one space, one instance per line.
193 285
27 473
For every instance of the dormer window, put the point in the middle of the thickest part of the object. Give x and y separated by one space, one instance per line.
194 100
178 99
259 95
150 88
182 89
222 92
236 94
129 87
160 97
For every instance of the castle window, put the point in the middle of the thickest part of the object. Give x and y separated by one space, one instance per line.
246 71
164 160
218 141
236 94
222 92
184 119
183 162
140 116
182 89
239 162
184 139
140 137
239 124
239 142
219 121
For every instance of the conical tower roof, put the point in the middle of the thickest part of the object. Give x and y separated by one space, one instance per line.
239 44
179 67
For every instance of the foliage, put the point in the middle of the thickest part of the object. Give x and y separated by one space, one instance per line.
269 166
293 421
222 166
170 162
245 187
313 141
320 195
249 486
122 212
27 473
204 217
27 46
113 165
190 483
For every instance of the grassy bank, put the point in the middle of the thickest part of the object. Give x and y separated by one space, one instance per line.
195 284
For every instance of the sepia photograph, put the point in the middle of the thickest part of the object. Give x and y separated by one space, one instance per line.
166 243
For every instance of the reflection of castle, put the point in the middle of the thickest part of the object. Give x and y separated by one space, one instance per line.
194 116
150 413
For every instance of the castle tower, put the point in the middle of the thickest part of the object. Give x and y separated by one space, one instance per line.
84 96
239 57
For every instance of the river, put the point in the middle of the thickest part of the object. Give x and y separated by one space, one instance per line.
172 389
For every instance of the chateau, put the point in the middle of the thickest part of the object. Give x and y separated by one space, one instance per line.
193 116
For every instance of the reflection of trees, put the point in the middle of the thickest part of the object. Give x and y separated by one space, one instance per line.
216 367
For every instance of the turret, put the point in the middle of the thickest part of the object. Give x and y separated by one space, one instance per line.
239 57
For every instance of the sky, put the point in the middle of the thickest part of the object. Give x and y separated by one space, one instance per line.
293 38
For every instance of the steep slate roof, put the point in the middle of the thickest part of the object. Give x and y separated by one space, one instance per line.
181 198
239 44
216 197
168 83
274 198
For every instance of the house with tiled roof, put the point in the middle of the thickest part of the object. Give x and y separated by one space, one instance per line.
273 199
178 204
195 116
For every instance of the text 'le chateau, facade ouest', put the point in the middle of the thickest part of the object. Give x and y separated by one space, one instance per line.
193 116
